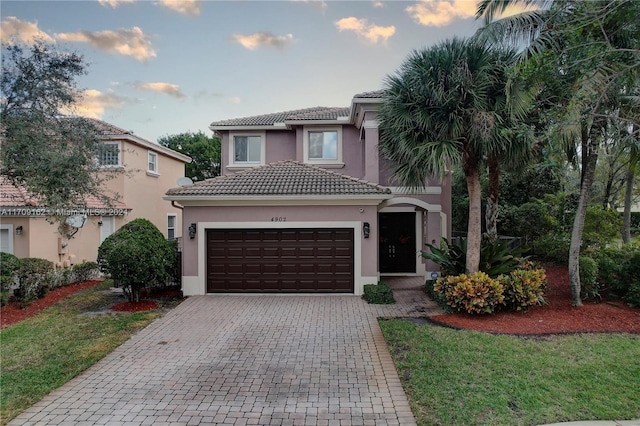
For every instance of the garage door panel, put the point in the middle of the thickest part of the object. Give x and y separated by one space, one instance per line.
280 260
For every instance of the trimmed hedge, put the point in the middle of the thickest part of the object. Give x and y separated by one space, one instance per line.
379 294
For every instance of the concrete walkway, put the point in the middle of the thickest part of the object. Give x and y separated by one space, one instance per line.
247 360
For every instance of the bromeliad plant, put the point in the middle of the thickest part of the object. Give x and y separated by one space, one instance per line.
496 258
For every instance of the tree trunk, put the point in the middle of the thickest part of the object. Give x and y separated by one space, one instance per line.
628 193
491 213
474 228
589 161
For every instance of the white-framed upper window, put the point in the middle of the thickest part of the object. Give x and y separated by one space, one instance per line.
172 221
246 149
323 146
109 154
152 162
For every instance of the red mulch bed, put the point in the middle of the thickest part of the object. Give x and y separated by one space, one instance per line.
143 305
556 317
11 313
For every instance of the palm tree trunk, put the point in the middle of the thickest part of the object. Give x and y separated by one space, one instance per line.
491 213
626 215
474 228
589 161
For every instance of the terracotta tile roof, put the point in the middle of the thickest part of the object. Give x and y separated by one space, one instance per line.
284 178
315 113
16 196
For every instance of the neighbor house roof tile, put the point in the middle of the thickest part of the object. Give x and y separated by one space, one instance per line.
284 178
16 196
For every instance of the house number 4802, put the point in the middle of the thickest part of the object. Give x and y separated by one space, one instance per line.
278 219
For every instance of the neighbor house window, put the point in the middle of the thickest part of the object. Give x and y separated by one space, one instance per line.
153 162
323 146
246 150
171 226
109 154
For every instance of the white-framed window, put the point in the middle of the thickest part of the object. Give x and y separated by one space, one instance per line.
323 146
109 154
6 238
246 149
152 162
172 222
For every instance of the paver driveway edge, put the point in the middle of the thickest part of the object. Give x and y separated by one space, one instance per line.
269 360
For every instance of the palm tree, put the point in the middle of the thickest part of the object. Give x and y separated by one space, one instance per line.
590 46
446 105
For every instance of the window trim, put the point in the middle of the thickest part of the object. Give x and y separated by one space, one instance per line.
322 162
151 153
112 166
175 226
10 235
231 148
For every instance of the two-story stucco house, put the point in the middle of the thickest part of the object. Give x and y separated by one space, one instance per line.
144 173
304 204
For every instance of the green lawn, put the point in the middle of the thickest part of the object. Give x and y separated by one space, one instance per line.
45 351
463 377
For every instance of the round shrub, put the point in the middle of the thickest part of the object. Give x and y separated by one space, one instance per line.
524 288
85 271
9 264
475 293
136 256
33 276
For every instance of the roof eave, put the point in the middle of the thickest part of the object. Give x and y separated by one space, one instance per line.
193 200
148 144
276 126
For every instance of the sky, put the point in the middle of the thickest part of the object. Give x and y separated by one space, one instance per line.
164 67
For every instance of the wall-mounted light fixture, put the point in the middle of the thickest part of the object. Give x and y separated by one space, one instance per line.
19 230
192 231
100 222
366 229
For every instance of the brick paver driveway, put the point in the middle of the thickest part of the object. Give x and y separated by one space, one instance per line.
261 360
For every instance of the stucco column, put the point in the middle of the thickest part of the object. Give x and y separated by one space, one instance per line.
371 163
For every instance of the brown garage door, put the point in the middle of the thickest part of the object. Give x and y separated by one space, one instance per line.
280 260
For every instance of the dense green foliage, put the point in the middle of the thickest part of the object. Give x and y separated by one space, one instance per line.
33 277
496 257
380 294
460 377
42 150
618 272
137 256
589 279
9 264
204 152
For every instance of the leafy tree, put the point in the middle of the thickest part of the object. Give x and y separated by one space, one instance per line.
592 49
447 105
204 152
47 153
137 256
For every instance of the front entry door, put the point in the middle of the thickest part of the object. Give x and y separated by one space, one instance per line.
398 249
